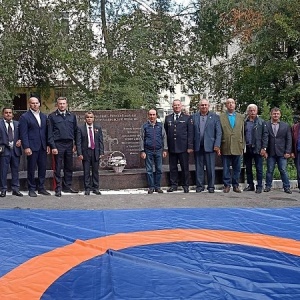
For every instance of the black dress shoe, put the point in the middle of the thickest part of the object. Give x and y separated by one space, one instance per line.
87 192
171 189
3 194
44 192
97 192
186 190
150 191
267 189
58 194
287 190
70 190
160 191
258 190
17 193
32 194
249 188
199 189
211 190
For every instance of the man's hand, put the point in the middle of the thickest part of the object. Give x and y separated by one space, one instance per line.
28 151
54 151
143 155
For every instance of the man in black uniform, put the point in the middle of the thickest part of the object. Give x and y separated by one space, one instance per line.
180 133
62 131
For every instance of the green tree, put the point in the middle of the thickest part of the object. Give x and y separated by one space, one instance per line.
263 39
112 54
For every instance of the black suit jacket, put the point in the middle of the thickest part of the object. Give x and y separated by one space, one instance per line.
4 138
83 140
282 143
180 133
32 135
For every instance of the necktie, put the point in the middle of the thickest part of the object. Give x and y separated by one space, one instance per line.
10 132
275 129
91 138
177 116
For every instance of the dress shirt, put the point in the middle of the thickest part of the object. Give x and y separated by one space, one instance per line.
37 116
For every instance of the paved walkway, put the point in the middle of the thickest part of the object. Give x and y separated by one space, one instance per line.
139 199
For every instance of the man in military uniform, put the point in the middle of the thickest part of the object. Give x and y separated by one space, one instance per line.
62 132
180 135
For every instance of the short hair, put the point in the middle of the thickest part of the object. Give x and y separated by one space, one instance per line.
61 98
89 113
275 109
251 105
5 107
152 109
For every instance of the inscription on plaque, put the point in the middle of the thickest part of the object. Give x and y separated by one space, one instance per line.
121 132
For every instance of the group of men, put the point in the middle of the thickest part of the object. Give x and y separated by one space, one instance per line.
230 135
39 135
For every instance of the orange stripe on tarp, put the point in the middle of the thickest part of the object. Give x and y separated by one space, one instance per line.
31 279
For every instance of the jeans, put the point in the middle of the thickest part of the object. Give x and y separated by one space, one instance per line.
235 162
281 163
249 156
297 164
154 178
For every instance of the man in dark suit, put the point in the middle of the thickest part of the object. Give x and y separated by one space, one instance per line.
33 133
207 141
279 149
9 137
180 135
256 137
90 149
62 134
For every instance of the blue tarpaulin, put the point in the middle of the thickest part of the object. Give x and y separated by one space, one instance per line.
150 254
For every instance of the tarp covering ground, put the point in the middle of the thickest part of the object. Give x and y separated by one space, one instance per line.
198 254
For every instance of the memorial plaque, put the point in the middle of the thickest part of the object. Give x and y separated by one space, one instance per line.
121 133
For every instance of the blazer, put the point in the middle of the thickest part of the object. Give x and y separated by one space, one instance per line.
82 141
212 132
295 135
233 140
4 138
282 143
32 135
180 133
259 135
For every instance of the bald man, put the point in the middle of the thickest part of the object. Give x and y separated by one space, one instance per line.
33 134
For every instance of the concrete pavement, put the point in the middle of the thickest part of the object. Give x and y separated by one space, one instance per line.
139 199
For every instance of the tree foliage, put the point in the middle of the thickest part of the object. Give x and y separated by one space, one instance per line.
119 54
263 39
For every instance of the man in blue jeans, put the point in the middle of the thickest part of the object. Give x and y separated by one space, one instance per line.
256 136
279 149
232 145
153 146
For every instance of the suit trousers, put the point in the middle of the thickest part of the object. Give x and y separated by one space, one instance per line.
13 161
64 159
183 159
91 162
207 159
39 159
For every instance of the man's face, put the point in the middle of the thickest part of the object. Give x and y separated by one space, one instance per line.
177 107
152 116
252 112
203 107
89 119
34 104
275 116
7 114
230 105
62 105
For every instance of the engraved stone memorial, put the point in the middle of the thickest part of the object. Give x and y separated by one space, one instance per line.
121 132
